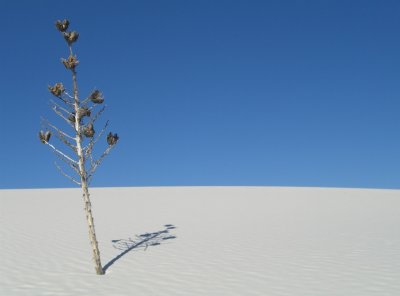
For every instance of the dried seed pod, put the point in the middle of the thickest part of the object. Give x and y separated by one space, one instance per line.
57 89
84 111
47 136
71 37
96 97
44 136
72 117
71 62
112 139
88 131
62 26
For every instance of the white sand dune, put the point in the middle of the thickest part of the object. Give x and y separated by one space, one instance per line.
227 241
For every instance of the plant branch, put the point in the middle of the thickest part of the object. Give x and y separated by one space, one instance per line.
65 100
58 130
69 96
58 112
98 162
89 147
61 108
66 175
91 160
94 118
63 139
68 160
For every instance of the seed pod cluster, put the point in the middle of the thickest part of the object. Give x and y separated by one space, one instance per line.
57 90
88 131
84 111
71 37
112 139
96 97
44 136
62 26
71 62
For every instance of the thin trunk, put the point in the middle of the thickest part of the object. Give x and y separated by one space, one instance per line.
92 233
84 185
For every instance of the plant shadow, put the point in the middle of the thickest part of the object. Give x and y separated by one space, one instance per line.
144 240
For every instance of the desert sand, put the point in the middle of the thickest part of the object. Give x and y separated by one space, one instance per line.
202 241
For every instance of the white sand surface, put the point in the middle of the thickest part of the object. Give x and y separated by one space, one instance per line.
226 241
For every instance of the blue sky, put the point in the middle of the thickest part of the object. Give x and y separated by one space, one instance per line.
274 93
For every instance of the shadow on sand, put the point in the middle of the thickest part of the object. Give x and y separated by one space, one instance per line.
144 240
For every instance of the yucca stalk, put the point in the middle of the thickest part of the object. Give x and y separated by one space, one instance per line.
76 112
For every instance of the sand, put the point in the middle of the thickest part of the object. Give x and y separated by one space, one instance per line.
202 241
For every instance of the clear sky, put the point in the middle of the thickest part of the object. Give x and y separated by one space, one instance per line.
274 93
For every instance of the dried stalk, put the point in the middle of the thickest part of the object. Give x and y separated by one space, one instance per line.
73 115
62 116
89 147
98 162
60 131
61 108
94 118
62 154
66 175
69 96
